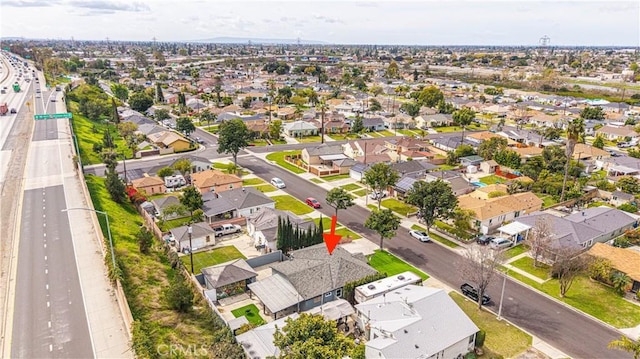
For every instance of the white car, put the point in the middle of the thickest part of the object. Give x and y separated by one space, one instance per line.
500 243
376 195
420 235
278 183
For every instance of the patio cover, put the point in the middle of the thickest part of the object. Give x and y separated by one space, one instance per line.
514 228
622 169
338 156
276 293
334 310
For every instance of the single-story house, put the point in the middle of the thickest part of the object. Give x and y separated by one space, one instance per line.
215 181
229 278
619 198
324 154
459 184
164 202
258 342
299 129
474 160
149 184
373 124
169 139
415 322
262 226
585 152
234 203
624 260
202 235
617 133
198 164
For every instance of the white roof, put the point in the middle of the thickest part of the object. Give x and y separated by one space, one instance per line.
514 228
339 156
258 343
275 292
387 284
334 310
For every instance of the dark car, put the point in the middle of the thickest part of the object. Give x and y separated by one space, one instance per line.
483 240
13 110
472 293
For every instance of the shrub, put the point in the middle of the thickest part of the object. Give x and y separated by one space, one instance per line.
179 294
480 337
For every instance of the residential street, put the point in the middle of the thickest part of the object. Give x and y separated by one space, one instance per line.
562 327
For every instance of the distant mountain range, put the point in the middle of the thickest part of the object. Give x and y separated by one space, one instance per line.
245 40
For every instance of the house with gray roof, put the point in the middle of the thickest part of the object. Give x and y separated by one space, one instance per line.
262 226
323 154
373 124
258 342
415 322
229 278
459 184
202 235
234 203
198 164
415 168
162 203
299 129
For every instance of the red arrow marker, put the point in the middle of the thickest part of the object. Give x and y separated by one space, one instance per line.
331 239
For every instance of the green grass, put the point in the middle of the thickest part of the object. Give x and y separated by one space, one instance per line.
174 223
335 177
212 257
251 312
259 142
90 132
316 180
514 251
598 204
547 200
526 264
278 158
501 337
386 262
443 240
447 167
224 167
409 133
350 187
289 203
416 227
252 181
344 231
146 278
493 179
592 298
385 133
360 193
398 207
266 188
326 222
308 139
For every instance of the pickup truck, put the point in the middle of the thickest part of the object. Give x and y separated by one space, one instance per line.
226 229
471 292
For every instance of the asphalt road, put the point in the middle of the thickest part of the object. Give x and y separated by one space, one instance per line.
565 329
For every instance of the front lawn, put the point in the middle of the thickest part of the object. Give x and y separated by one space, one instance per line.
278 158
308 139
526 264
515 251
316 180
501 337
386 262
350 187
289 203
211 258
251 312
335 177
266 188
326 223
252 181
225 166
360 193
344 232
258 142
493 179
385 133
166 226
436 237
592 298
446 167
398 207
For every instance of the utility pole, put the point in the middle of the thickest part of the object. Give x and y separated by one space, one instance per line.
190 231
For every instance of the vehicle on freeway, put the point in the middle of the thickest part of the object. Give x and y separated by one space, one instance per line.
313 202
13 110
278 183
16 87
3 109
472 293
483 240
420 235
500 243
226 229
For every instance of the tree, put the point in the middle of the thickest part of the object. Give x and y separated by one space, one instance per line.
575 130
463 117
567 266
185 125
445 107
383 222
620 282
120 91
339 198
127 129
357 125
374 105
140 101
489 147
464 151
508 158
627 345
275 129
435 200
233 136
478 266
191 199
592 113
207 116
183 165
380 177
539 238
161 114
311 336
179 294
115 186
598 142
392 71
145 239
411 108
165 172
629 185
159 94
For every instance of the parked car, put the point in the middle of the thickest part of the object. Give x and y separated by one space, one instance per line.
472 293
420 235
313 202
278 183
483 240
376 195
500 243
226 229
199 140
623 145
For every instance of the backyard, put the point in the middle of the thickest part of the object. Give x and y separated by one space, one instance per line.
386 262
211 258
493 179
278 158
289 203
251 312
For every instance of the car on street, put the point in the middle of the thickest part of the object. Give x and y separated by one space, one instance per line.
624 145
313 202
278 183
199 140
472 293
420 235
500 243
483 240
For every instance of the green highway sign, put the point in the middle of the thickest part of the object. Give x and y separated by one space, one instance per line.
50 116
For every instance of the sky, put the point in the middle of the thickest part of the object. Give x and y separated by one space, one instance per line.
425 22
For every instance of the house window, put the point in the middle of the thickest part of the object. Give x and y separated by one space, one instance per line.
517 214
339 292
327 295
231 186
208 239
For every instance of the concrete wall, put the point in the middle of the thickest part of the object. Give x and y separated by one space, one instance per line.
265 259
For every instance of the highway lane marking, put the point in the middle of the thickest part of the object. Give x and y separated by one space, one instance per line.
46 271
44 234
45 258
45 245
46 286
48 304
50 347
49 324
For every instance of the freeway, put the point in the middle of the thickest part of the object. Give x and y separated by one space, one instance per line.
564 328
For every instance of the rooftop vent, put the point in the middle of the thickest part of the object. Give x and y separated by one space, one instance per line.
371 286
401 277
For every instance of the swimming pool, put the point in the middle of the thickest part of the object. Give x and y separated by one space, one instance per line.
478 184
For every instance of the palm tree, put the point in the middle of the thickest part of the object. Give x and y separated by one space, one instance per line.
627 345
322 107
575 130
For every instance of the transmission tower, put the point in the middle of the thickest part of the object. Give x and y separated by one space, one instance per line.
544 41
